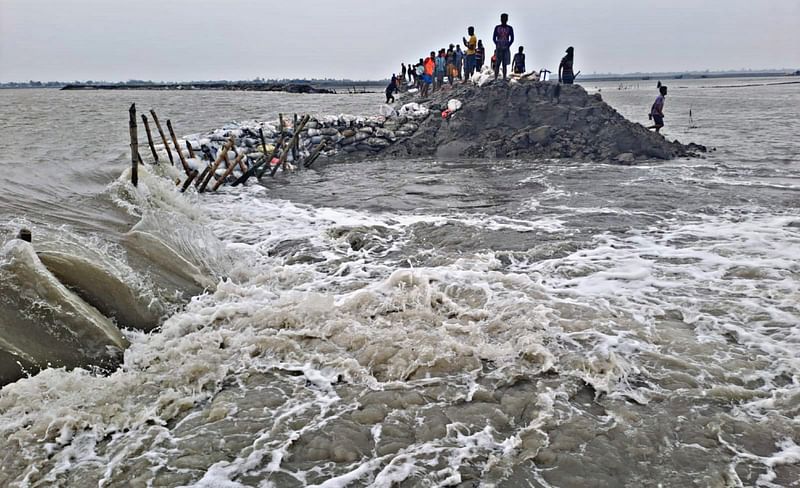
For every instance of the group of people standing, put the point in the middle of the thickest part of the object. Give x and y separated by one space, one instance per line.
454 64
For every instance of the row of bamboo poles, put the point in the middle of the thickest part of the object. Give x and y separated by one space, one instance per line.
283 147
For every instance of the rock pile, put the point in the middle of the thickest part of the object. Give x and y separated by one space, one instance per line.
525 119
535 119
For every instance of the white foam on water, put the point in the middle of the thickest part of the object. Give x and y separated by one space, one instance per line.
275 368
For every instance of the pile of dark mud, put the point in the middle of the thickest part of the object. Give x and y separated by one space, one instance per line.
532 119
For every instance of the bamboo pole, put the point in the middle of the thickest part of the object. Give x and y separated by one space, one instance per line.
191 151
134 145
202 176
294 149
189 180
150 138
272 156
264 161
186 167
222 155
228 172
263 140
163 137
292 142
313 157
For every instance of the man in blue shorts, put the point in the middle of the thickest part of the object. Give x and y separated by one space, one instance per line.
503 39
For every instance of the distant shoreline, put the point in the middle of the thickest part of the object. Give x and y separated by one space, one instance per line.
303 88
361 86
680 76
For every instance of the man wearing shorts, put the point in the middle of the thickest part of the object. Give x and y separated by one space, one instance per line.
427 77
503 39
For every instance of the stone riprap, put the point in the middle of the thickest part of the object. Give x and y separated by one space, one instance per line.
515 119
534 119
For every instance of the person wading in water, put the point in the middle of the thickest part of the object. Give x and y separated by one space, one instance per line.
503 39
565 73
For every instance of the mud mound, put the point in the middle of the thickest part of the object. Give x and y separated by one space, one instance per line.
533 119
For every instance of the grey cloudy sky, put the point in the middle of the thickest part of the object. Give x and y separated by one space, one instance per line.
244 39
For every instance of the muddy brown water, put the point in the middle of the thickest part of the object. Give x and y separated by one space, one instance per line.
414 322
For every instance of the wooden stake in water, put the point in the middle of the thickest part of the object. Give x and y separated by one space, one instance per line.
223 153
294 127
134 146
291 144
186 167
272 156
189 180
189 148
228 172
163 137
313 157
150 138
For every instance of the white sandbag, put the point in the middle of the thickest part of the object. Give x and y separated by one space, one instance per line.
413 110
454 105
387 111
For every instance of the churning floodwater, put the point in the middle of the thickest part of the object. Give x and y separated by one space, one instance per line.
404 323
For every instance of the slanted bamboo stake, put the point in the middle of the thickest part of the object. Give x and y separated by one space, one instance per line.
315 154
292 142
150 138
189 180
186 167
201 177
250 172
294 149
191 151
163 137
223 153
272 156
134 145
228 172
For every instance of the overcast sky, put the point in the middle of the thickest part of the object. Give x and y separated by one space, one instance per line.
368 39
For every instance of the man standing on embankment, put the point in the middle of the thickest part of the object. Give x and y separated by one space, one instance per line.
503 39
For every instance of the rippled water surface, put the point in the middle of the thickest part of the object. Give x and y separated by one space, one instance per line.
412 322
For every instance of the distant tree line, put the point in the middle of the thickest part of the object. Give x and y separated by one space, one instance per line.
312 81
350 82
